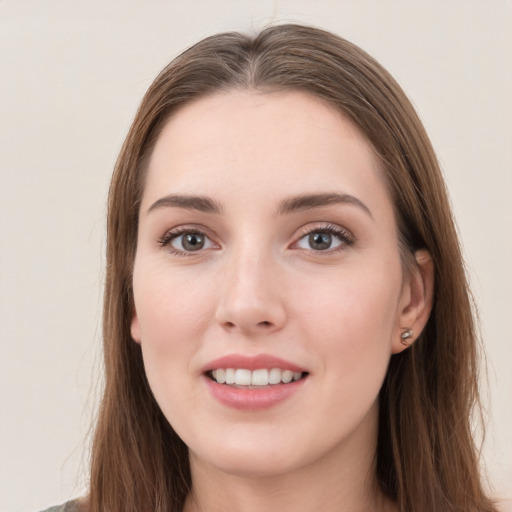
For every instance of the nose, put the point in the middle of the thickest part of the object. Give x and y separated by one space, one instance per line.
252 295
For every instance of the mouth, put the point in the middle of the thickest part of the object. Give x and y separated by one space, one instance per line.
260 378
253 383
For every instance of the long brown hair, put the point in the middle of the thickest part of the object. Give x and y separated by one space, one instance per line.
426 457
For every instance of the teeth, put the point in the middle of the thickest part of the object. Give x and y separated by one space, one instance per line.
274 376
243 377
230 376
220 375
260 377
287 376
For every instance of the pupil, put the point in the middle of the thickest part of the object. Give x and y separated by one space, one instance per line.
193 242
320 241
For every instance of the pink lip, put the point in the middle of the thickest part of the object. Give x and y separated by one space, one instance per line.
251 363
252 399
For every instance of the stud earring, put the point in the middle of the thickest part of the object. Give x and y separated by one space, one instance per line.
405 336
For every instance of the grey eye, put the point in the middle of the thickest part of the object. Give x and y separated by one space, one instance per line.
319 241
190 242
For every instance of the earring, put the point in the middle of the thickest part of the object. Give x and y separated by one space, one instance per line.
405 336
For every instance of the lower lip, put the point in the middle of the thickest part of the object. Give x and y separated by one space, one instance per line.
253 399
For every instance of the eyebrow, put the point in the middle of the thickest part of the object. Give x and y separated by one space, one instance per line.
307 201
301 202
199 203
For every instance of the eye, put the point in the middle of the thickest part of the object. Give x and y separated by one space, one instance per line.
325 239
186 241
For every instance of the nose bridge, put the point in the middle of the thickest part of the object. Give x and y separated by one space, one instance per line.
250 296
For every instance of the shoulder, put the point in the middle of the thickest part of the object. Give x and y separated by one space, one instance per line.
70 506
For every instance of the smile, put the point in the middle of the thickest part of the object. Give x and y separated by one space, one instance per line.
260 377
255 382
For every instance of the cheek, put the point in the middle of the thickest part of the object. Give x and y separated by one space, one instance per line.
363 299
171 313
170 308
351 320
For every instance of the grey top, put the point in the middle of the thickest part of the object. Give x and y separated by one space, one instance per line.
66 507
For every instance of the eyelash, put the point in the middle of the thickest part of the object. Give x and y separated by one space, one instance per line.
166 240
343 235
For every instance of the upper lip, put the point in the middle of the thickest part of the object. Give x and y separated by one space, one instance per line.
251 363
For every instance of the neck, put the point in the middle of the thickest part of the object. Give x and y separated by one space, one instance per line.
255 495
343 480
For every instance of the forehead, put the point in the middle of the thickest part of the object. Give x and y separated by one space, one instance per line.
285 141
239 115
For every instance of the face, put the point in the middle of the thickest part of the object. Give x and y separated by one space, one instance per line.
268 285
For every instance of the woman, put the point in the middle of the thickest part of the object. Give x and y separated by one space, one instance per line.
287 320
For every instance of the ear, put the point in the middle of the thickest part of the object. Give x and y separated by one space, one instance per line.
416 301
135 327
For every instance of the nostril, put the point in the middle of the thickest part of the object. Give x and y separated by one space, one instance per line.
265 323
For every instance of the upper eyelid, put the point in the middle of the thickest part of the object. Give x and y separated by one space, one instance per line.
178 231
324 226
188 228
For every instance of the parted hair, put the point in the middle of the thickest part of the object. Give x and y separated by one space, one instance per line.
426 459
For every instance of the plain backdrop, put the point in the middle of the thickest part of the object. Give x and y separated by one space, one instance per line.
71 76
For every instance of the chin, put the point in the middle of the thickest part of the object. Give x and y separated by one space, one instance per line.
252 459
241 466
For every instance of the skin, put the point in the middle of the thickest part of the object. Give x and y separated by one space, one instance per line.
258 286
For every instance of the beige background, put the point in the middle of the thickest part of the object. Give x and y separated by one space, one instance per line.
71 77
